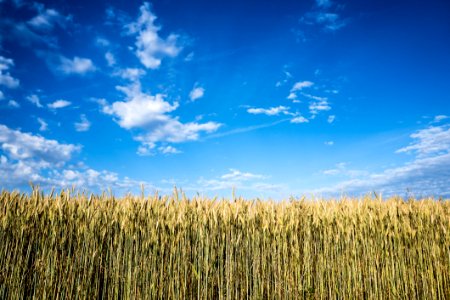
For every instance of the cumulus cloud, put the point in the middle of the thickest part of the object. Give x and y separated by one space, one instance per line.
272 111
150 113
150 47
331 119
25 157
22 146
5 77
196 93
35 100
83 125
59 104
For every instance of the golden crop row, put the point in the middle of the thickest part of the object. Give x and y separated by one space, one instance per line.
72 246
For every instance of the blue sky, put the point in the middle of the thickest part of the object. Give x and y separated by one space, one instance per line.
272 98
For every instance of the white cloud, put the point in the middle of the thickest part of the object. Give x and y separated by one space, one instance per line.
329 143
440 118
330 21
331 119
298 86
150 113
299 119
102 42
169 150
83 125
77 65
5 77
236 179
272 111
428 173
35 100
196 93
19 145
150 47
318 106
287 76
189 57
429 141
323 3
110 59
2 96
46 19
317 98
292 96
59 104
13 104
43 126
25 157
236 175
132 74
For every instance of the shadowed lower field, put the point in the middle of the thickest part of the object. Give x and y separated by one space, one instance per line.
76 246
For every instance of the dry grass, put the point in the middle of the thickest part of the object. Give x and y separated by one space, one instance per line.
66 246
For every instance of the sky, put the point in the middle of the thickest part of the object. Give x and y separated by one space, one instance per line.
270 98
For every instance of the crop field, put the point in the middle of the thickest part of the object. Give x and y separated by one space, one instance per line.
72 245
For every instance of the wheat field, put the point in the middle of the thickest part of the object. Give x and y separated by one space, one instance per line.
71 245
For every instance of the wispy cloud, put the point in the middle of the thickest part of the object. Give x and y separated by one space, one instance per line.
299 119
13 104
297 87
245 129
59 104
428 173
43 126
272 111
35 100
317 106
326 15
110 59
83 125
5 77
47 18
440 118
77 65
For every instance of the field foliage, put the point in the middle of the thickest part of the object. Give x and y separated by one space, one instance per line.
74 245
